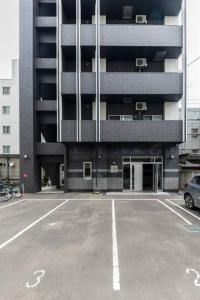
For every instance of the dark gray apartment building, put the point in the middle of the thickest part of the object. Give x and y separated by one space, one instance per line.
100 85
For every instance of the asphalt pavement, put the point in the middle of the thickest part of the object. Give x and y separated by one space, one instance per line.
93 247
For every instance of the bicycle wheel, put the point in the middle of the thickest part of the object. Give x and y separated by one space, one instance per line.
5 194
17 191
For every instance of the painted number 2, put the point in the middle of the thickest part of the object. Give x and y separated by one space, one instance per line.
39 274
197 279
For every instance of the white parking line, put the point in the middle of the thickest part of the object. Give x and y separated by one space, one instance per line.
45 199
179 215
127 199
100 199
190 213
31 225
176 199
1 207
116 273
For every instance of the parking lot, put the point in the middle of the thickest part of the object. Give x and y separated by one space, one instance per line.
68 247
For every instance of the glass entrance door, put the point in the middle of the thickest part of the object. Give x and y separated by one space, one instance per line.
129 177
126 177
132 177
142 173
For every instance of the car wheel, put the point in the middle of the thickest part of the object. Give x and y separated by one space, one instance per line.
189 202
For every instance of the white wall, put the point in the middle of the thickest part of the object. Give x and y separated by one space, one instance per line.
14 168
175 20
102 108
102 65
171 111
102 20
172 65
12 119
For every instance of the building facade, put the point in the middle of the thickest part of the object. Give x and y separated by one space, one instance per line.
190 150
99 89
192 145
9 126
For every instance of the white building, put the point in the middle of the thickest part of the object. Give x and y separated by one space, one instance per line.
189 152
9 125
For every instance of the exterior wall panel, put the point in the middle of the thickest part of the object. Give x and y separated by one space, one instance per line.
125 35
119 131
126 83
45 22
45 63
50 149
45 105
28 131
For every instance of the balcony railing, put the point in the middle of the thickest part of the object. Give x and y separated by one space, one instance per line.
125 35
123 131
46 105
45 22
126 83
45 63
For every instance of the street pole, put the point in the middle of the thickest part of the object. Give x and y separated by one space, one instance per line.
185 92
8 169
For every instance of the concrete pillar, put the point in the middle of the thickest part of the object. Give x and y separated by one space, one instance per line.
171 170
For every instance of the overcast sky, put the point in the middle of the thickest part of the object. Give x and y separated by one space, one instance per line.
9 34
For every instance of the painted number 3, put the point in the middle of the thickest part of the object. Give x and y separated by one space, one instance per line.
39 274
197 276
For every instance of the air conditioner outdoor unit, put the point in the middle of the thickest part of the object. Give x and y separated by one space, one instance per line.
141 19
141 63
141 106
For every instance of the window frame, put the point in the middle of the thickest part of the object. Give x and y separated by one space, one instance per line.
152 117
120 118
3 127
6 88
84 170
8 147
5 107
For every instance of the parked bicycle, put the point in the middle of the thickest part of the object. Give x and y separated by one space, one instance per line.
10 191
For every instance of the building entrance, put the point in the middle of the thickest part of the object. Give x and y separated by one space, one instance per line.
142 174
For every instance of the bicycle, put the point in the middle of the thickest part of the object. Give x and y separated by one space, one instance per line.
12 191
5 194
17 191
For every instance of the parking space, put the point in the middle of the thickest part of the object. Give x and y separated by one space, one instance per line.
99 248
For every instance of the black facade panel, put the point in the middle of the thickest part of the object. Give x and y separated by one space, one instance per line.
121 84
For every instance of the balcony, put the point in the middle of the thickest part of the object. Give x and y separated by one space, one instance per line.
45 22
126 83
50 149
47 1
46 105
125 35
45 63
119 131
69 131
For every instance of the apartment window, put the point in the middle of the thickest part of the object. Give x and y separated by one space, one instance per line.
6 149
195 151
195 132
3 164
87 170
6 110
6 129
6 90
153 118
120 117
